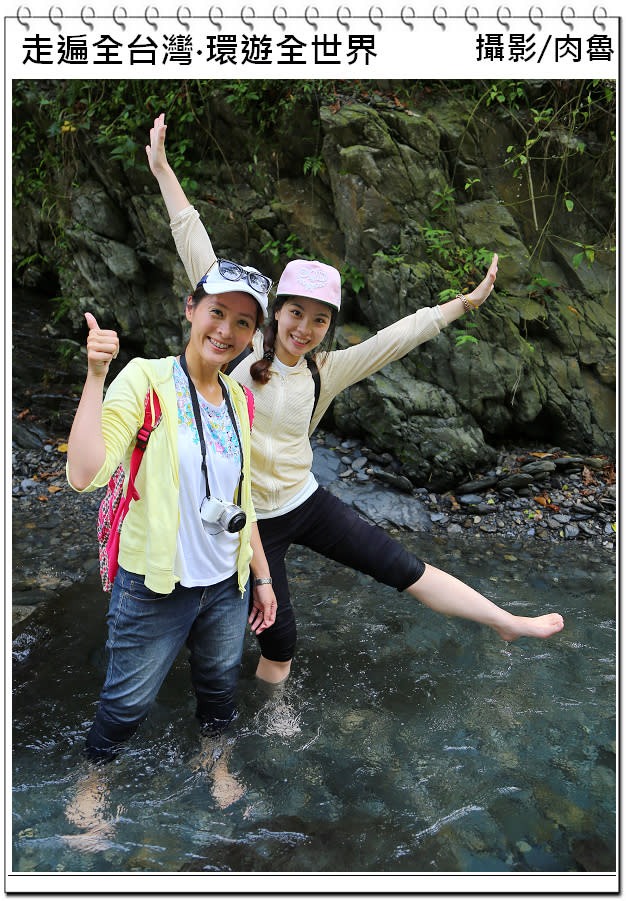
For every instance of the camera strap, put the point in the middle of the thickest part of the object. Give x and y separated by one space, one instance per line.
200 428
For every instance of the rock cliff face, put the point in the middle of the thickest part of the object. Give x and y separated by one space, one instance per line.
390 206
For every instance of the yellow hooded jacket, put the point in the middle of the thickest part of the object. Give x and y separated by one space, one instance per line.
148 536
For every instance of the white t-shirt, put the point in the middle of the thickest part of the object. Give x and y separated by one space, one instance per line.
204 559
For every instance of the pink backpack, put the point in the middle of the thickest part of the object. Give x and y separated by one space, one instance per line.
114 506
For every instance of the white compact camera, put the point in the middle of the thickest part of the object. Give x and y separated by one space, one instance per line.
220 516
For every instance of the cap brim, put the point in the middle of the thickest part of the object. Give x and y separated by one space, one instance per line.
327 303
237 288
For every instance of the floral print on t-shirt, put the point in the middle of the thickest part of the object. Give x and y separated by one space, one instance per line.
219 433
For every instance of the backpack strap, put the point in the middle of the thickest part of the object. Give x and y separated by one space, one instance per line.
242 356
249 395
315 375
250 402
141 443
114 505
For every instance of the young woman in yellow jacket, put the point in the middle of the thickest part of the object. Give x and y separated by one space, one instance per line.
291 507
190 541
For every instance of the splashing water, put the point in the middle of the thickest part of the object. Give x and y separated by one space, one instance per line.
403 742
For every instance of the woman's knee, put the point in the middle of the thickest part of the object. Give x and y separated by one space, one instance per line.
279 644
215 691
215 667
388 561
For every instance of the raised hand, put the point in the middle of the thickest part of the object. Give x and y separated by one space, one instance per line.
102 346
171 190
155 150
481 292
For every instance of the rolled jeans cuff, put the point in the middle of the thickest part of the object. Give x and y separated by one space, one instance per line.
215 720
106 736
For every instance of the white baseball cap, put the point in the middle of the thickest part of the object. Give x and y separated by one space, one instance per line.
228 276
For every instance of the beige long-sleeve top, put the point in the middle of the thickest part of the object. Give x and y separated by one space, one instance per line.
281 453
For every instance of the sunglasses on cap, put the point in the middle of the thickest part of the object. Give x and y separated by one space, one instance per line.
234 273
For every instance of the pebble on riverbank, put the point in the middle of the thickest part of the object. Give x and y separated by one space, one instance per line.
546 496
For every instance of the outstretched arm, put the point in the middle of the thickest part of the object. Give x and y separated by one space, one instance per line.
173 194
190 236
455 308
348 366
86 450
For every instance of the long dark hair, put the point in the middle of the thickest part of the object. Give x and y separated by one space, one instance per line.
260 369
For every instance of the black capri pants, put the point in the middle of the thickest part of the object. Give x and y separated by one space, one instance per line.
330 527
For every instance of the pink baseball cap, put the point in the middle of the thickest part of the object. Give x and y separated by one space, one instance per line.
308 278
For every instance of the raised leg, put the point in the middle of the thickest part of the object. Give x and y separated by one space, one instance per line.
448 595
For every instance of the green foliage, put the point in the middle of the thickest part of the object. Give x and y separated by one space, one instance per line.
587 254
541 289
264 103
59 124
289 248
30 260
396 255
61 306
439 241
509 93
564 121
354 277
75 120
464 265
446 199
313 165
469 185
462 338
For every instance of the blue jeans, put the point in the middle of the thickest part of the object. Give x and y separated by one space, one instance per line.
146 633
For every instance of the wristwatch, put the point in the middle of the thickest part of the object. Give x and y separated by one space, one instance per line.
262 581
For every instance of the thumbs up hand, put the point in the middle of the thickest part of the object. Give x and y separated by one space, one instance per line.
102 346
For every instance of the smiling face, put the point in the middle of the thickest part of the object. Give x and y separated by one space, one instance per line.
221 327
302 325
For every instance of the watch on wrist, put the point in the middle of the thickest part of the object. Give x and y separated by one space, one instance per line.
262 581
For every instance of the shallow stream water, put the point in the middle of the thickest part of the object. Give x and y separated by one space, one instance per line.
404 742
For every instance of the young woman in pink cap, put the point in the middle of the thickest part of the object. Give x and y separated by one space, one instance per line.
189 541
291 508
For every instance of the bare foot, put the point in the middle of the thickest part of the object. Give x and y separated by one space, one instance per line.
531 626
226 789
91 841
212 762
88 811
